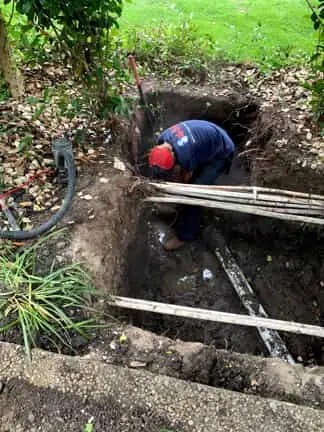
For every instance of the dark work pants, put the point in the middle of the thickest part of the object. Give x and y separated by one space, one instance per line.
187 225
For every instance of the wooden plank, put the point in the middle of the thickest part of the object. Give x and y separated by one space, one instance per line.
216 316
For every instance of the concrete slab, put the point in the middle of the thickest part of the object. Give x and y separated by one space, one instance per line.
55 392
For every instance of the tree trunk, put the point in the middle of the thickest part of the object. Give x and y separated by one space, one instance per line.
7 65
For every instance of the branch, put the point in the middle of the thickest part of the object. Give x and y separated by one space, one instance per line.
12 11
311 7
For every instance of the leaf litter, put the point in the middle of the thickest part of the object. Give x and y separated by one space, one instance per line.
27 128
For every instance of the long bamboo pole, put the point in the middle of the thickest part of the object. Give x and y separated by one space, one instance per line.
216 316
317 209
253 189
208 191
233 207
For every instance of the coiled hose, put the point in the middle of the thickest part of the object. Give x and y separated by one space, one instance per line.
63 155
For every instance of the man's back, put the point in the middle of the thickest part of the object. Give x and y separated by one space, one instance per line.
197 142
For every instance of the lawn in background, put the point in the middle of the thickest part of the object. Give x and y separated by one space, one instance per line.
263 31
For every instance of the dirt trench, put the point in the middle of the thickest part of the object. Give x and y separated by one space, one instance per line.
283 262
119 239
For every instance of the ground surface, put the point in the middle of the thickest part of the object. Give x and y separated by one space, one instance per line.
269 377
102 228
59 393
285 267
263 30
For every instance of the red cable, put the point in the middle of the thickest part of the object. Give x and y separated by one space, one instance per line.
26 183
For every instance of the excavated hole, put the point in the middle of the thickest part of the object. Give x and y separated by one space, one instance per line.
282 261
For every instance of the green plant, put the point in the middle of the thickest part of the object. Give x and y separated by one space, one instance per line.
30 46
232 27
25 142
51 306
89 427
316 85
80 27
167 47
7 248
4 92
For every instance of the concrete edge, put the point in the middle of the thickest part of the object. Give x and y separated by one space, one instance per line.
267 377
194 406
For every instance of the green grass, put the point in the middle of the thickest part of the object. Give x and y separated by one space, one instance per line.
42 305
262 31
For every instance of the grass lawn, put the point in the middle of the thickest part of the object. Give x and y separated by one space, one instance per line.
265 31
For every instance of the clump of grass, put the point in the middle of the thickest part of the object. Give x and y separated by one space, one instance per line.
171 47
44 306
264 32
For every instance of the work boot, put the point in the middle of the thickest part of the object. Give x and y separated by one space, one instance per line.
173 244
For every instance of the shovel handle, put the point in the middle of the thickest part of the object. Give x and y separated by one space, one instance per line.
133 68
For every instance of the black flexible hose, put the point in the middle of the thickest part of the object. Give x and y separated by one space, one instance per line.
65 155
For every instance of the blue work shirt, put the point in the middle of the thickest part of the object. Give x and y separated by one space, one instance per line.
197 143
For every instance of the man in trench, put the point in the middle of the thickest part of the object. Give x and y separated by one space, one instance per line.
196 152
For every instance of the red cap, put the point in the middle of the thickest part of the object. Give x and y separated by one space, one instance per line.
161 157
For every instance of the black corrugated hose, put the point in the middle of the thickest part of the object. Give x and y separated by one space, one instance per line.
63 156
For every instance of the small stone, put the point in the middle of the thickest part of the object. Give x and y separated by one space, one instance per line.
137 364
113 345
87 197
31 417
118 164
103 180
